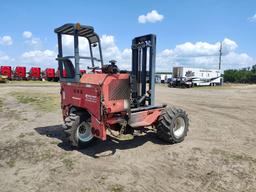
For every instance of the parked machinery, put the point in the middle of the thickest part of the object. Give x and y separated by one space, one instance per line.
111 100
49 74
3 79
35 73
19 73
82 71
6 71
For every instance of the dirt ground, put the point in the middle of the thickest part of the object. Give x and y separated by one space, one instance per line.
219 153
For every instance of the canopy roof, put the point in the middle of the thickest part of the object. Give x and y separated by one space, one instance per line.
83 31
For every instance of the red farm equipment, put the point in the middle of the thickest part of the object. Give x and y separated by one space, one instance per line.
35 73
82 71
112 100
6 71
49 74
57 74
19 73
64 72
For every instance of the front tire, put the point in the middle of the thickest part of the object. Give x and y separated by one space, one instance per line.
172 125
78 130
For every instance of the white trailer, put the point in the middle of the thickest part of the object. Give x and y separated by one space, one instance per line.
189 77
165 77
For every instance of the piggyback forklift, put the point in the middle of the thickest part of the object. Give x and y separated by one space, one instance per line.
109 99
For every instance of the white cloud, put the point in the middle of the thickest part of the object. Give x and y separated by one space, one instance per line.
4 57
35 41
68 45
150 17
198 54
32 41
203 54
109 49
228 46
39 58
204 48
27 34
252 19
6 40
237 60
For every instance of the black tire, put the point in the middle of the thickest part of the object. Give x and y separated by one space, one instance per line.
167 123
74 122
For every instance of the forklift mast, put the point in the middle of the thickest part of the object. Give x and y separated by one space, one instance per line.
143 65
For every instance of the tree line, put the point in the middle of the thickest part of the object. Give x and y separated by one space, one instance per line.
245 75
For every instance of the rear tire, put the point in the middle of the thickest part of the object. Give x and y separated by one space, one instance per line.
172 125
78 130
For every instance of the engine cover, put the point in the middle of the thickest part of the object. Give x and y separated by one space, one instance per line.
116 93
114 88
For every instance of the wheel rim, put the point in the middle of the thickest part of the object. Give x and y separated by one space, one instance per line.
84 132
179 127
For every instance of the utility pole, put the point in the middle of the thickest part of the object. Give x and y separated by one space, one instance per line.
220 55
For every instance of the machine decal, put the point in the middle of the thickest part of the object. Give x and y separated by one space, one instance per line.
91 98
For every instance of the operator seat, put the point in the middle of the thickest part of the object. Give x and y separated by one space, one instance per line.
69 67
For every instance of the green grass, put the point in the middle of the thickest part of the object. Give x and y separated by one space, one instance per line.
87 190
223 87
33 82
47 155
54 142
40 101
21 135
68 164
232 156
117 188
213 87
1 104
11 163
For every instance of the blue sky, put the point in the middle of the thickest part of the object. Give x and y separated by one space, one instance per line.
187 31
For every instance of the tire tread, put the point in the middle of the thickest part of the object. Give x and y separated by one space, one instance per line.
165 124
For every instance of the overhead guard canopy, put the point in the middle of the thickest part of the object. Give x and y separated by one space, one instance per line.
73 69
83 31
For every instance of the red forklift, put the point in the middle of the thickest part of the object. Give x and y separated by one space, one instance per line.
98 103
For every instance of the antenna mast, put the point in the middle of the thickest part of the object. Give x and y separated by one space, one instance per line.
220 55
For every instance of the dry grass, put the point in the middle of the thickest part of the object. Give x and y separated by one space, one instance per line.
40 101
229 156
11 163
117 188
30 152
69 164
32 82
1 104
